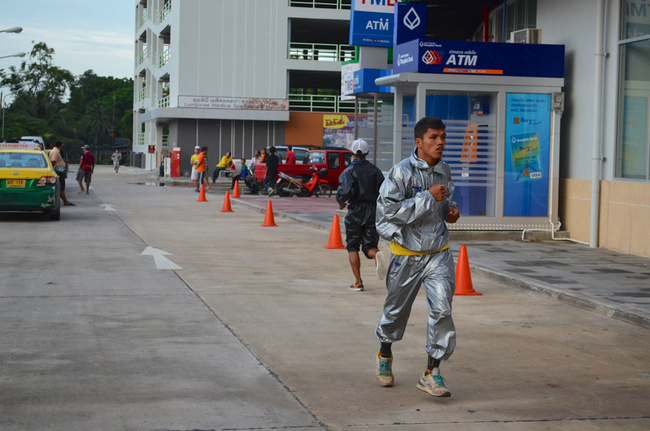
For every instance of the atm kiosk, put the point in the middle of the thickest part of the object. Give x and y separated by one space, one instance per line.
502 104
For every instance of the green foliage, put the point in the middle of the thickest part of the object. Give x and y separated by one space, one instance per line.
49 101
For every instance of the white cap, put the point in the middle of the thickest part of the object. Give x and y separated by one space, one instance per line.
197 148
360 147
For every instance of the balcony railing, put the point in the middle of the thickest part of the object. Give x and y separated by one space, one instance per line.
320 52
139 23
141 57
162 14
320 103
164 102
164 57
322 4
140 94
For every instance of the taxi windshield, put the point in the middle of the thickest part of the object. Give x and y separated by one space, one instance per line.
22 160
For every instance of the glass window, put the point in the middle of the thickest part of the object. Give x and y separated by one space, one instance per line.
636 19
633 144
333 161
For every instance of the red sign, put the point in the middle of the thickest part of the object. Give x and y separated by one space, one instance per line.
176 162
152 149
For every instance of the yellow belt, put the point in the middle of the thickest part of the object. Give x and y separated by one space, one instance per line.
395 248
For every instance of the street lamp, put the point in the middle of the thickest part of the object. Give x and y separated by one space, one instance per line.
12 30
20 54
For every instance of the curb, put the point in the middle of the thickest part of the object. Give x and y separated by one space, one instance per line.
601 306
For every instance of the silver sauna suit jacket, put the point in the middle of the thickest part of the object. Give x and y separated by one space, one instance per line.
408 215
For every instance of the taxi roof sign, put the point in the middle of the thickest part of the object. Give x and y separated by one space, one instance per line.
20 146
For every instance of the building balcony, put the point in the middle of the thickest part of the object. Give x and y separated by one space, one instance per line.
320 103
162 13
164 57
163 102
141 20
322 4
321 52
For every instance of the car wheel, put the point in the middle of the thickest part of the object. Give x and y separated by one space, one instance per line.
54 214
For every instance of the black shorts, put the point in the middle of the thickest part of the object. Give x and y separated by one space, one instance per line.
360 230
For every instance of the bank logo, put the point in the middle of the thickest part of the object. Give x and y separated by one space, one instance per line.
431 57
412 19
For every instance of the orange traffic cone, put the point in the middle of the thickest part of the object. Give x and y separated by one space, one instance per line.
335 234
235 191
226 204
269 220
202 194
463 275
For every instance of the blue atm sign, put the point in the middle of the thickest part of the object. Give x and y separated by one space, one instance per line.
371 22
479 58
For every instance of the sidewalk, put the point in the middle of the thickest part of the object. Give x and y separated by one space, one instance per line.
608 282
611 283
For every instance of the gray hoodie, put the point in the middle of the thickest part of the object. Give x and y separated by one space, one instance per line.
407 213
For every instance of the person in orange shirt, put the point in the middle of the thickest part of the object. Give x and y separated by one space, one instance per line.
200 168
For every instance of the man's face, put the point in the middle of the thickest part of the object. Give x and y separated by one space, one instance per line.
431 146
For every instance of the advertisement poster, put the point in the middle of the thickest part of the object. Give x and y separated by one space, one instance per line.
338 130
528 125
525 156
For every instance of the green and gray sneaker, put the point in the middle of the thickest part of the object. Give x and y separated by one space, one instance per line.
433 384
384 370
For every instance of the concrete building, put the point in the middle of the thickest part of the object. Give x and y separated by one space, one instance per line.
235 75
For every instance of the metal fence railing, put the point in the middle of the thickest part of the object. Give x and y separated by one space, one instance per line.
320 52
322 4
321 103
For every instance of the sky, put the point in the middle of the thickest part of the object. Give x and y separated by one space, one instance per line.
85 34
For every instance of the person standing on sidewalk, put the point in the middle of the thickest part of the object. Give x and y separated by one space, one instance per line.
194 176
116 157
272 163
358 188
59 166
414 204
86 169
200 168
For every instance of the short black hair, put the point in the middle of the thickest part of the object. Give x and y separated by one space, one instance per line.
58 144
427 123
272 149
204 148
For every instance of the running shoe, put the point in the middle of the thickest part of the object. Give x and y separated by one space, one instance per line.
385 371
357 287
433 384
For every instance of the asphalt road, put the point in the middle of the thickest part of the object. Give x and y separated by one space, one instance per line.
244 327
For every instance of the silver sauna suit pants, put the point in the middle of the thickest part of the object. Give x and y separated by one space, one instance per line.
405 276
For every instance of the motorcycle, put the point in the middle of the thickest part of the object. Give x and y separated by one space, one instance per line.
317 185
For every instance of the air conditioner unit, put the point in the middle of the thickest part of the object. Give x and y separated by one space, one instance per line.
527 35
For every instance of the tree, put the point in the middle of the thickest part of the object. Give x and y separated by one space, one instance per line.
38 86
97 120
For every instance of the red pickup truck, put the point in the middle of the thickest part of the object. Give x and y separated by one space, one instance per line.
335 160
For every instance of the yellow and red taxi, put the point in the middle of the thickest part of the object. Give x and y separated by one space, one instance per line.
28 181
